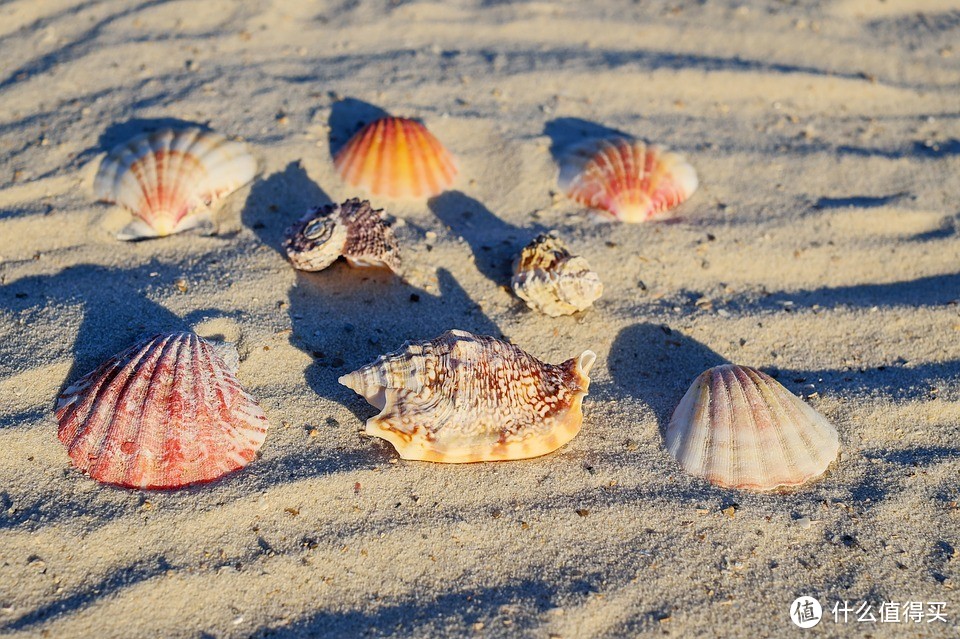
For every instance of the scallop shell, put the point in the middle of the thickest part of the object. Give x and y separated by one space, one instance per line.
352 230
627 178
171 180
739 428
164 413
466 398
551 280
396 157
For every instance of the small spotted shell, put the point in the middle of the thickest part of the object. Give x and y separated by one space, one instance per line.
466 398
352 230
172 179
737 427
551 280
628 179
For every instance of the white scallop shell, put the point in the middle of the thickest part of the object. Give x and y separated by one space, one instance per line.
739 428
551 280
171 180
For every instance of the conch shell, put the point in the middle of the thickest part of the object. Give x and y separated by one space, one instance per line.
551 280
467 398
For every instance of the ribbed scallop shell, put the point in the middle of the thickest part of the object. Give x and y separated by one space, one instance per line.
467 398
352 230
739 428
396 157
171 180
551 280
164 413
629 179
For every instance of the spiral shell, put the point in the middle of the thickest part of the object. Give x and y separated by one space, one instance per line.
167 412
551 280
396 158
172 179
629 179
739 428
352 230
466 398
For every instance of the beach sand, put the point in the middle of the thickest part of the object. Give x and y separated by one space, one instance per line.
821 247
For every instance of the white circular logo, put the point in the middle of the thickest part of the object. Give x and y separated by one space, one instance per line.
805 612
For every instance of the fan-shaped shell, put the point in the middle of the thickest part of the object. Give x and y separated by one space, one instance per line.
171 179
739 428
352 230
467 398
551 280
164 413
396 157
629 179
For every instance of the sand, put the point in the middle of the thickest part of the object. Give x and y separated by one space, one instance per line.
822 247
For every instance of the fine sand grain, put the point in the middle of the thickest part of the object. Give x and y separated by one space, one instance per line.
822 247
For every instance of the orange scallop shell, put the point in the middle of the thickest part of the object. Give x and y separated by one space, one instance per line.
631 180
396 157
165 413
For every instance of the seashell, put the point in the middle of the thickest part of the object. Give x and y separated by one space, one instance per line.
396 157
629 179
170 180
739 428
353 230
466 398
164 413
551 280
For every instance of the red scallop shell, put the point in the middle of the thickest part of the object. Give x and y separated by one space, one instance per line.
396 157
164 413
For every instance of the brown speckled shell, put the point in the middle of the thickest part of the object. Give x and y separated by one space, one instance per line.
352 230
551 280
467 398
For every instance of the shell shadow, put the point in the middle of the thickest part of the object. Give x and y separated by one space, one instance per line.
278 201
375 313
116 312
348 116
565 133
494 243
118 133
657 364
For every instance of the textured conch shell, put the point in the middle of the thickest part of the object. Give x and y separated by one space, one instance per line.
466 398
551 280
629 179
739 428
396 157
171 180
352 230
167 412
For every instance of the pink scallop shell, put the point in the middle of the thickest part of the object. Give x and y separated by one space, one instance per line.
164 413
629 179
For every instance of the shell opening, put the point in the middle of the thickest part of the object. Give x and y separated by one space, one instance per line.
586 361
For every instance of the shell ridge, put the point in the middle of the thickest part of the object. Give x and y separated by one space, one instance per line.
792 408
761 417
120 396
157 389
95 404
